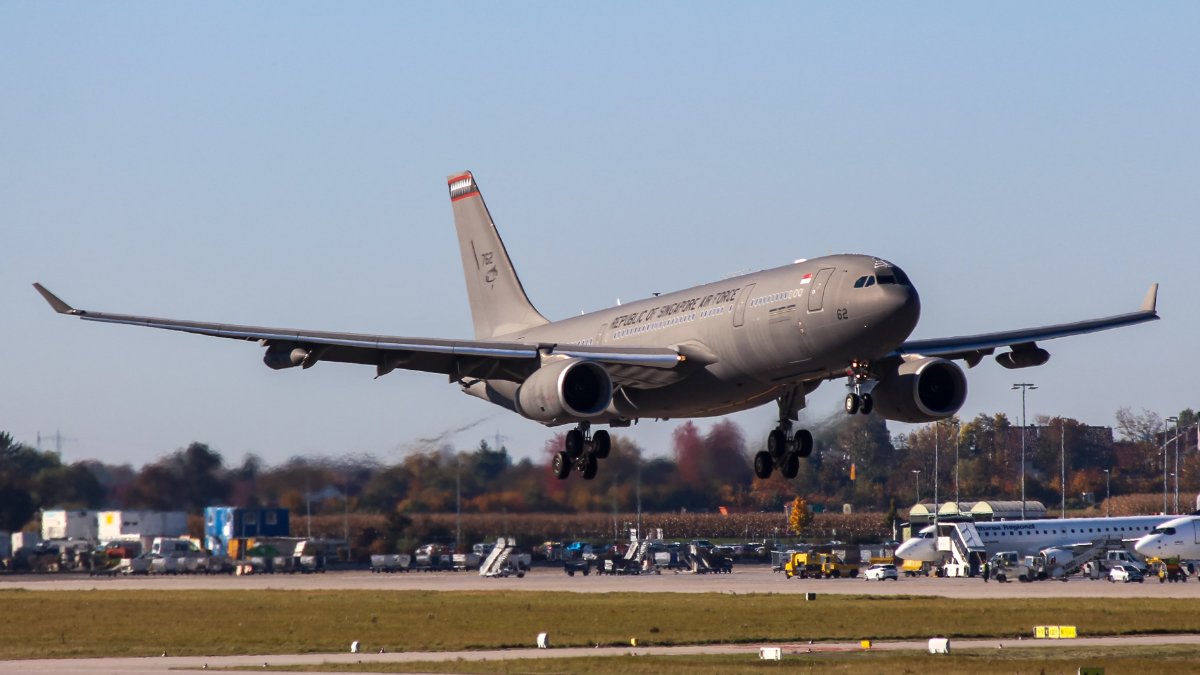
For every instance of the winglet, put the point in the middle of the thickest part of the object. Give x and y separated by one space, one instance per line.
56 302
1151 301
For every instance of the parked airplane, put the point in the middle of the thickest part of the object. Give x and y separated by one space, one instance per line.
1030 537
1176 538
704 351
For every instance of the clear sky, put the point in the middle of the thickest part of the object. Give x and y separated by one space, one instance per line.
283 164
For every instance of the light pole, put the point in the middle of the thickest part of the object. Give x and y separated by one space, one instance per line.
1063 457
1107 494
1023 386
1176 474
1164 454
917 473
957 440
936 506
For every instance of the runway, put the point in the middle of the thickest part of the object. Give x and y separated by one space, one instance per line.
744 579
169 665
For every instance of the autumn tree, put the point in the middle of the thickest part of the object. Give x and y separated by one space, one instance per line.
799 517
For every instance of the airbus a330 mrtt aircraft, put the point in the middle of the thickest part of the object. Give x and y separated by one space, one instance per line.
709 350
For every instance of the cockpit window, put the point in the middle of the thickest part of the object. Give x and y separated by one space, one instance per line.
887 273
1163 530
863 282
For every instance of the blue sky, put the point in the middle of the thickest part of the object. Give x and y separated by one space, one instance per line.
282 164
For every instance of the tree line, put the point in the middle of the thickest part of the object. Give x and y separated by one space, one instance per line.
855 461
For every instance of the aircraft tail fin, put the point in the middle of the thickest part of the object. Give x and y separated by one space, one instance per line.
498 302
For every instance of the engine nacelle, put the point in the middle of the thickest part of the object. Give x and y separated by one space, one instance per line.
923 390
283 356
1057 557
1023 358
565 390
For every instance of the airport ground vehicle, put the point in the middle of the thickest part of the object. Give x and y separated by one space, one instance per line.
817 566
1168 569
1124 573
915 568
1007 565
881 573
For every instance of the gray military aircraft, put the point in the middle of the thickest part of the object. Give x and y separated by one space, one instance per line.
704 351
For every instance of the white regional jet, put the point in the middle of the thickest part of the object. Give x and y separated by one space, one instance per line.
1176 538
1031 537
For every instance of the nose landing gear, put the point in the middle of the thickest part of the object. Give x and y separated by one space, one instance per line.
581 451
860 383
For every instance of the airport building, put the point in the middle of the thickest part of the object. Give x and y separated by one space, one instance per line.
923 514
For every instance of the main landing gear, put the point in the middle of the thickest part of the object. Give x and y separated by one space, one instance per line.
582 451
785 450
858 378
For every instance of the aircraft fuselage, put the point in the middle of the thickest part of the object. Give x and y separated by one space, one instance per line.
763 332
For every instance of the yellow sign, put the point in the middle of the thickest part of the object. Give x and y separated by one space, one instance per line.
1054 632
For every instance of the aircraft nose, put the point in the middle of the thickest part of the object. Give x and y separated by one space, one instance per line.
902 311
1146 546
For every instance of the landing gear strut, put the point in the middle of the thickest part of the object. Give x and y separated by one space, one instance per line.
581 451
784 449
859 381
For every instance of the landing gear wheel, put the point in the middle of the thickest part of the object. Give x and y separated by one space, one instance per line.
601 444
561 465
790 466
589 468
574 443
762 465
852 402
776 443
804 443
868 404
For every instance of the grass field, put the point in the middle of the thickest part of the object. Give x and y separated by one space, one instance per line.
137 623
1139 660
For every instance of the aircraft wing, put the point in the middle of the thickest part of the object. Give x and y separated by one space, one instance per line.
972 348
637 366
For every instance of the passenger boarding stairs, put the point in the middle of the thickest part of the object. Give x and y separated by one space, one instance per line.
963 543
1059 567
496 564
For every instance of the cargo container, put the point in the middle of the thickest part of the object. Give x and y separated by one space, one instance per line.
141 525
223 524
22 540
63 524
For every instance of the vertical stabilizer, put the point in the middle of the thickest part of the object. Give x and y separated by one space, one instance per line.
498 302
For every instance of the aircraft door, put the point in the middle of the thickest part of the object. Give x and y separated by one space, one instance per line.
600 335
1196 529
739 313
816 294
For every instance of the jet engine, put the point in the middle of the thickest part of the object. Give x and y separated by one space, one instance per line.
1057 557
280 356
561 391
922 390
